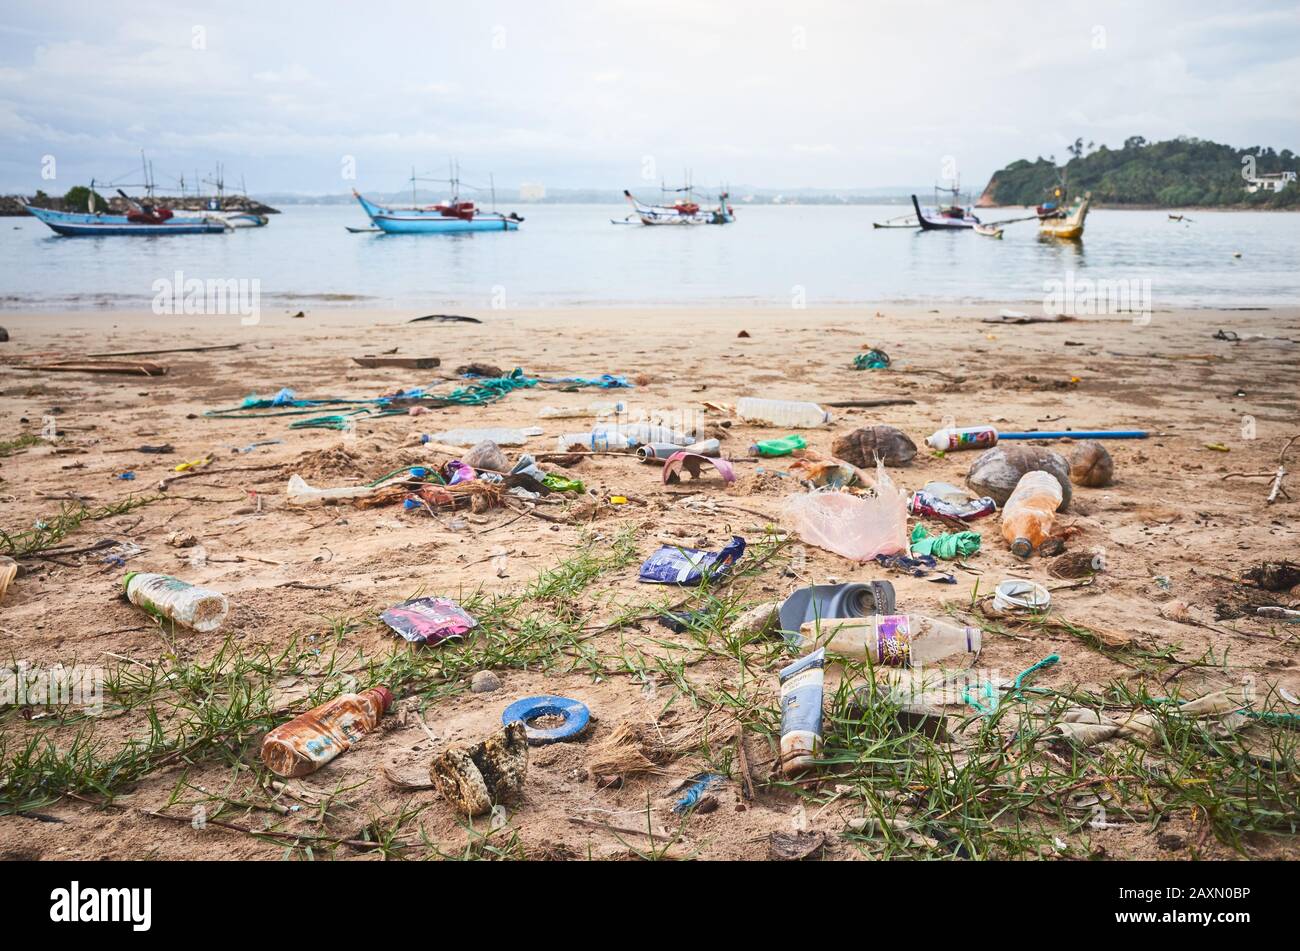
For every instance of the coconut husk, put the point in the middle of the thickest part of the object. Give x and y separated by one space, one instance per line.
1090 464
642 748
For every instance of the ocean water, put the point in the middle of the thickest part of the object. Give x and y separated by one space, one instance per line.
567 255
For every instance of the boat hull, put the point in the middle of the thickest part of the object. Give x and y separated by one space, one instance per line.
939 223
419 221
1069 227
72 225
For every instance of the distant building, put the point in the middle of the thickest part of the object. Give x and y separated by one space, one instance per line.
531 191
1271 181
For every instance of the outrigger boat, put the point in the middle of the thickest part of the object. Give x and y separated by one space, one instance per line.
144 219
447 217
684 211
901 221
951 217
1065 223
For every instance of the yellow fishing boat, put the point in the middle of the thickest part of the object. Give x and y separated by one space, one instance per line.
1066 224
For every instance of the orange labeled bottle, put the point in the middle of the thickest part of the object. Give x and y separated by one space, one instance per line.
308 742
1030 513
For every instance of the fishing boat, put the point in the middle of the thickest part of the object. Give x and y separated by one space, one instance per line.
945 217
1066 223
684 211
452 216
901 221
989 231
154 222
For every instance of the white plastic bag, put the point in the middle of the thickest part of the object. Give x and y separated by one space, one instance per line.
857 527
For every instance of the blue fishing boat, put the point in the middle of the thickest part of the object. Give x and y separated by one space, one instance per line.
452 217
71 224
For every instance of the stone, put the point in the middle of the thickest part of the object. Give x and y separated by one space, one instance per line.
996 471
484 682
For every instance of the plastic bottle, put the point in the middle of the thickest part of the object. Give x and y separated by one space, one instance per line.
642 433
891 640
970 437
308 742
199 609
598 441
1030 512
787 414
300 493
472 437
595 409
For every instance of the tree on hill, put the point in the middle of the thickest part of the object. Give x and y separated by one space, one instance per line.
1180 172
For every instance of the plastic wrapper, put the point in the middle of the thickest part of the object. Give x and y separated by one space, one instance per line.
428 620
671 565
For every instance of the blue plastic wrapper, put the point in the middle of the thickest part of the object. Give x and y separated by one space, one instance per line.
689 565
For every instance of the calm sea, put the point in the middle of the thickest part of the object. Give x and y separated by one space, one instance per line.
572 255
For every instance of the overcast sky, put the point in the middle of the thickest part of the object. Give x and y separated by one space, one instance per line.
605 94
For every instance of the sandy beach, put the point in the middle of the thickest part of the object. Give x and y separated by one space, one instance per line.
1169 615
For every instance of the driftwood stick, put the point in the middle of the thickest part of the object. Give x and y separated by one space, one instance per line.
1276 488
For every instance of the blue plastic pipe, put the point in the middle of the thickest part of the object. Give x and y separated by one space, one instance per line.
1079 434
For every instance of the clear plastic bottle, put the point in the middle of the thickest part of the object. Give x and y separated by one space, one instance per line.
600 440
786 414
300 493
308 742
642 433
573 412
891 640
199 609
472 437
970 437
1030 512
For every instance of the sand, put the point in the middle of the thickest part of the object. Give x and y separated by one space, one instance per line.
1177 526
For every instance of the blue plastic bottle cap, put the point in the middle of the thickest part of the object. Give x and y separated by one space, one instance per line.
575 713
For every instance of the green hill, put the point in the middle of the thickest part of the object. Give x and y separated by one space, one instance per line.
1180 173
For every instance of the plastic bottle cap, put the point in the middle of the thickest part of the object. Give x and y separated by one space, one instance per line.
1022 548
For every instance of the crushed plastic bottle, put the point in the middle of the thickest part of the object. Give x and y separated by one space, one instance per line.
891 640
199 609
787 414
969 437
308 742
597 410
472 437
1030 513
597 441
300 493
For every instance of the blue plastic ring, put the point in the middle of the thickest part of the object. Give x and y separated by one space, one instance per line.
575 713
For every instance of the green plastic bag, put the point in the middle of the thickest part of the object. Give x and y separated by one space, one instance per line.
955 545
558 483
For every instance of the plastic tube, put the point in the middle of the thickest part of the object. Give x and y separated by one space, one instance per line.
1080 434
